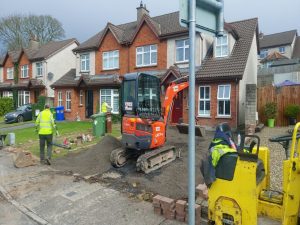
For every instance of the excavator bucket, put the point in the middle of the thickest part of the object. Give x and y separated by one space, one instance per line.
183 128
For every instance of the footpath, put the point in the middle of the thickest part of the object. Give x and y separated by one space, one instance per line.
40 195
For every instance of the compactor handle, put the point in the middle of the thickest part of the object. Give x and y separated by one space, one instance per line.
241 148
284 140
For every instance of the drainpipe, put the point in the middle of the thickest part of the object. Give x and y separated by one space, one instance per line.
237 96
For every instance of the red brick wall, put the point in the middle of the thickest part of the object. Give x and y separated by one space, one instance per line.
213 119
146 36
127 55
8 64
25 61
110 43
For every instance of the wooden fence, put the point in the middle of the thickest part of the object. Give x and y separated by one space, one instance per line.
283 96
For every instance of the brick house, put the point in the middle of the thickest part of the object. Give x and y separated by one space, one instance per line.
1 69
159 45
28 73
279 58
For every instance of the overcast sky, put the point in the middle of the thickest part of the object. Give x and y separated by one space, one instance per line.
84 18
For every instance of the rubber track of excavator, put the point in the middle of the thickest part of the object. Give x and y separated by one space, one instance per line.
143 162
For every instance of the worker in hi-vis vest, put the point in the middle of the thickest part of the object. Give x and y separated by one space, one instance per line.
45 126
105 107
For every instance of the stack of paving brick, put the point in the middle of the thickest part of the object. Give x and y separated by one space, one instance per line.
171 210
164 206
181 210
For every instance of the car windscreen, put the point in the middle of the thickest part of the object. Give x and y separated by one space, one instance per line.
22 108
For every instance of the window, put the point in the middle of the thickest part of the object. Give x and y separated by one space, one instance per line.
39 69
263 53
111 97
68 100
85 63
23 98
204 100
222 46
81 97
10 73
111 60
282 50
7 94
182 50
24 71
146 55
224 100
59 100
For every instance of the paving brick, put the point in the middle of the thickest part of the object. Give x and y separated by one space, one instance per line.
156 201
158 210
202 191
180 206
167 203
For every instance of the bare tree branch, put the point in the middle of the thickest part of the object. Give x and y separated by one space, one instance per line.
16 30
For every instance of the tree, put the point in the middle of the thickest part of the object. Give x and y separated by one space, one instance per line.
16 30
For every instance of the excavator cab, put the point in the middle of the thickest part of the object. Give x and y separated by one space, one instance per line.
141 96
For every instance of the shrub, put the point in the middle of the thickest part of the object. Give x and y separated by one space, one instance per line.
271 110
39 105
292 111
6 105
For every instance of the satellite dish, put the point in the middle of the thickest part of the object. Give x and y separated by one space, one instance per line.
50 76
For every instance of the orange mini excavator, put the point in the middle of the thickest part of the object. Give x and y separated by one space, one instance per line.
144 122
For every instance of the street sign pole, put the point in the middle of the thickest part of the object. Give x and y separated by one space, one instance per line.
191 152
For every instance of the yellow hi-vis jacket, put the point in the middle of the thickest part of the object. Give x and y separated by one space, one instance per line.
104 107
45 122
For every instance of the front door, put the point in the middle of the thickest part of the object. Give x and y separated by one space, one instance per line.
89 109
177 111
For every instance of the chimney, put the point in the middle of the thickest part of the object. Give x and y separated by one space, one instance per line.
141 11
33 42
261 35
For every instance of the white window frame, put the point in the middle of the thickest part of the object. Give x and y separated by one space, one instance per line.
186 45
282 49
10 73
68 100
85 62
23 98
81 97
222 100
206 111
59 98
222 46
112 95
25 71
39 69
140 51
110 56
7 94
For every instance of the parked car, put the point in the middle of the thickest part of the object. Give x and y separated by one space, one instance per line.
22 113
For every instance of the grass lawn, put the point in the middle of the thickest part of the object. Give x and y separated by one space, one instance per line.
1 118
27 139
6 125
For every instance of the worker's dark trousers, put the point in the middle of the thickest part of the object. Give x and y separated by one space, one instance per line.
43 139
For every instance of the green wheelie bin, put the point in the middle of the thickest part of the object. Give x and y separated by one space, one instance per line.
99 124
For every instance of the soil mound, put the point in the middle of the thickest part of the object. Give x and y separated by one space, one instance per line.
91 161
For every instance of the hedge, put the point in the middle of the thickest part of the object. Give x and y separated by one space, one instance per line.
6 105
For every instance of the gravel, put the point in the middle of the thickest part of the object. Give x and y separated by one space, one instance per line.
277 154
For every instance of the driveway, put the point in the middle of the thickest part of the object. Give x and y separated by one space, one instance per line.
40 195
